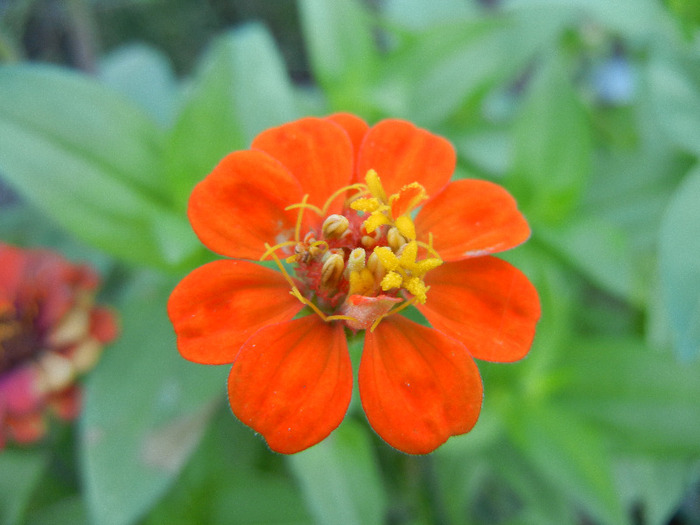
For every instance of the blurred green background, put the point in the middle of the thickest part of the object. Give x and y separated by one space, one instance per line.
588 111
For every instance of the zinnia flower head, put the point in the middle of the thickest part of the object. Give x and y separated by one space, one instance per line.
361 223
50 333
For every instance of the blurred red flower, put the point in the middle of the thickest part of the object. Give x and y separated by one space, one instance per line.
50 332
336 201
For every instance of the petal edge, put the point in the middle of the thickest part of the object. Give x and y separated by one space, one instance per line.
292 382
418 386
487 304
218 306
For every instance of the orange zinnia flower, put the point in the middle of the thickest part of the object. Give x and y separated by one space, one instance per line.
50 333
333 203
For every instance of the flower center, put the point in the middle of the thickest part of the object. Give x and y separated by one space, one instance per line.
18 342
365 263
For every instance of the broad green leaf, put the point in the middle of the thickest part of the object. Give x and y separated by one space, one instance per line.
340 480
674 87
20 472
341 47
80 118
687 11
552 146
240 89
600 250
535 498
630 189
488 150
229 478
633 18
446 67
68 511
418 14
144 75
679 265
145 410
85 156
571 455
644 399
658 484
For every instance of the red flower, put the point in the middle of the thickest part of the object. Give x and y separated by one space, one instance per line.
50 332
336 200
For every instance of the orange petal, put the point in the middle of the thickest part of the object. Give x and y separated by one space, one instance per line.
217 307
470 218
318 152
401 153
292 382
487 304
240 205
418 386
356 128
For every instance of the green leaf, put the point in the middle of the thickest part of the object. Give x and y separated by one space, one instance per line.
687 11
552 149
536 498
633 18
657 484
644 399
232 473
77 116
21 472
600 250
240 89
674 88
68 511
341 47
679 265
145 410
571 455
340 479
85 156
144 75
418 14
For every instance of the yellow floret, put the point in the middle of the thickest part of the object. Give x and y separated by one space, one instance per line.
417 287
406 227
361 282
387 258
391 280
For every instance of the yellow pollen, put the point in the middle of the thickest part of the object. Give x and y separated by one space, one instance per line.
391 280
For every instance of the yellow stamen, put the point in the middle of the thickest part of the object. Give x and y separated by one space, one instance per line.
272 249
358 186
374 184
302 205
393 311
406 227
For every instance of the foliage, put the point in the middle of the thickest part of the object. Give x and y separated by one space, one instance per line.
587 111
